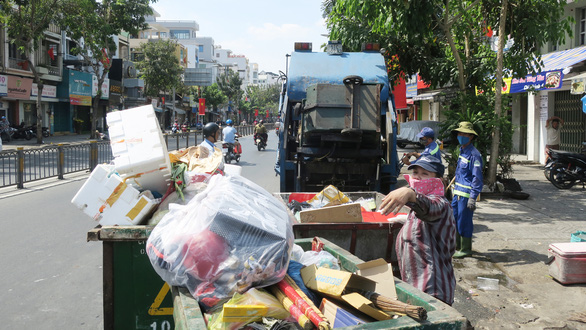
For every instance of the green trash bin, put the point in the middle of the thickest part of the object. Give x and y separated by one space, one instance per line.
135 297
188 316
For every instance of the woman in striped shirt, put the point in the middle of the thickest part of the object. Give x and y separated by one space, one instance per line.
427 240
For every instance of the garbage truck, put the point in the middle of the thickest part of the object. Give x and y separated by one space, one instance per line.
338 122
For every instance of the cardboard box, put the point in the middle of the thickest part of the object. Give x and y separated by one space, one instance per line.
338 316
243 313
333 283
382 273
334 214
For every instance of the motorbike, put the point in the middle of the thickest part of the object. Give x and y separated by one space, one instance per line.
233 151
184 128
7 133
45 130
567 168
175 128
261 142
22 132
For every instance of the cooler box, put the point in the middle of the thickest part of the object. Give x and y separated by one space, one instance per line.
140 152
568 262
107 199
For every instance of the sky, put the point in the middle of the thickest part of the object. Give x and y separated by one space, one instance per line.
262 30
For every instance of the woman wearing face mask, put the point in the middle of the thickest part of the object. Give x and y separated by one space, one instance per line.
427 240
467 187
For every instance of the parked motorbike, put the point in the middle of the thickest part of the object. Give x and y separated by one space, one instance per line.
22 132
567 168
45 130
233 151
261 142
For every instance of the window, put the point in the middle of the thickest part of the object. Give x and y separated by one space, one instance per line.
180 34
163 35
200 48
582 26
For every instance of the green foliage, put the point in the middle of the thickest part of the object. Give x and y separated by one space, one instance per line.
213 96
266 99
160 67
229 83
480 112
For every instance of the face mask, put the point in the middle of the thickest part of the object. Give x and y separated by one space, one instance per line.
423 141
431 186
463 139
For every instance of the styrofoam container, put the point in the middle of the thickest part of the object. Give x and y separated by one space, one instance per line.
568 262
139 149
107 199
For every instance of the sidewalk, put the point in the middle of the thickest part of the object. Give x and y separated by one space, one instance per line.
51 140
511 239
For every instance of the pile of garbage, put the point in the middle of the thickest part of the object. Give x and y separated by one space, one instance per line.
226 239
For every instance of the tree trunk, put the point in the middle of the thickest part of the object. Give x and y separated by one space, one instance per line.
40 86
496 134
93 113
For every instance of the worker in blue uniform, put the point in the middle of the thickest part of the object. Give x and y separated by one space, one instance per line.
426 138
467 187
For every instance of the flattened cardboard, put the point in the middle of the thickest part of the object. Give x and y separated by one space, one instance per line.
339 316
382 273
334 214
332 283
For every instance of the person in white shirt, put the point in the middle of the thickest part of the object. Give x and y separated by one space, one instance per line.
229 132
552 126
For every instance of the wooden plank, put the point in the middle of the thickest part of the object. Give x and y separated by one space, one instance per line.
186 312
125 233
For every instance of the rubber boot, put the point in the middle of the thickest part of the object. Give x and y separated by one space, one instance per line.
466 250
458 242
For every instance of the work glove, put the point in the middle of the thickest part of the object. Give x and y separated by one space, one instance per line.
471 204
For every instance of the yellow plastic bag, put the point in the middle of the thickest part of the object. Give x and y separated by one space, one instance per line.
246 308
328 195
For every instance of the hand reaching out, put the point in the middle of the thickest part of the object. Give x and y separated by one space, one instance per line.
396 199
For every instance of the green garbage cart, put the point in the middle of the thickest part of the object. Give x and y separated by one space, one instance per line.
188 316
135 297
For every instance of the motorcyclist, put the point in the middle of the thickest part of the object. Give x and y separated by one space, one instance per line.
230 133
175 126
260 129
211 133
4 123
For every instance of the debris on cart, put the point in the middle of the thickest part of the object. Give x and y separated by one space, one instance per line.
333 206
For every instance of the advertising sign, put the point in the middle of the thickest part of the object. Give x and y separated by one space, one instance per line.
105 88
542 81
80 88
411 90
3 85
19 88
48 90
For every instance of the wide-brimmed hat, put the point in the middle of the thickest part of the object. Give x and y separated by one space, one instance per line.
429 163
465 127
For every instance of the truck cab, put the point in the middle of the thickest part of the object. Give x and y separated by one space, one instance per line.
338 122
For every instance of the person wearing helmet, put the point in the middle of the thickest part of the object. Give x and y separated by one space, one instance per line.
229 132
4 123
260 129
211 135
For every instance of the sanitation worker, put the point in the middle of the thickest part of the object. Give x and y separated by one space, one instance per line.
427 139
467 186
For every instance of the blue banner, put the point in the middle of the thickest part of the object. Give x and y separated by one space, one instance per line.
411 90
541 81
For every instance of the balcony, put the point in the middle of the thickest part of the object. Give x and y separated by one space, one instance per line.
18 64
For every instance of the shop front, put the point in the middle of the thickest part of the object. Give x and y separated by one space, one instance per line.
18 91
103 103
72 113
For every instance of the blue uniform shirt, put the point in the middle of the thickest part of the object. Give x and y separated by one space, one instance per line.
468 173
433 150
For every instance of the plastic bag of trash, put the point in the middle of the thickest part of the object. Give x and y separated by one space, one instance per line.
232 236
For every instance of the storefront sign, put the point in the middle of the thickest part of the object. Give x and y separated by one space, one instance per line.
542 81
543 105
3 85
19 88
411 90
48 91
105 88
80 88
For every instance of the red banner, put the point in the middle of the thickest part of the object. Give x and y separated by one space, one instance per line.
267 114
256 112
202 106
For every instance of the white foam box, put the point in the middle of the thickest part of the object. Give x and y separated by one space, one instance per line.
107 199
139 149
568 262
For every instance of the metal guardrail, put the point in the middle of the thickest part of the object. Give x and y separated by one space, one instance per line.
20 166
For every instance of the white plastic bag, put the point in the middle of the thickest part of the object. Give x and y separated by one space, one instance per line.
232 236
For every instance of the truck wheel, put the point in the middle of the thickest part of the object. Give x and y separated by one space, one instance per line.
353 80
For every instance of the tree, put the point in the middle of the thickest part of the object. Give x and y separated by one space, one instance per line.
229 83
450 45
94 24
214 96
160 68
265 98
26 23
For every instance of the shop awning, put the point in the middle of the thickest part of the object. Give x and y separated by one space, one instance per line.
563 59
425 96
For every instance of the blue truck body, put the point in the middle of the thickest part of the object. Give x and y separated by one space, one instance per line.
357 152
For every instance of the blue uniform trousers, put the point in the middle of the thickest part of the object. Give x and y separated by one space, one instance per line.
463 216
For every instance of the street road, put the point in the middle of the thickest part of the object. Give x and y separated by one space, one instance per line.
52 277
